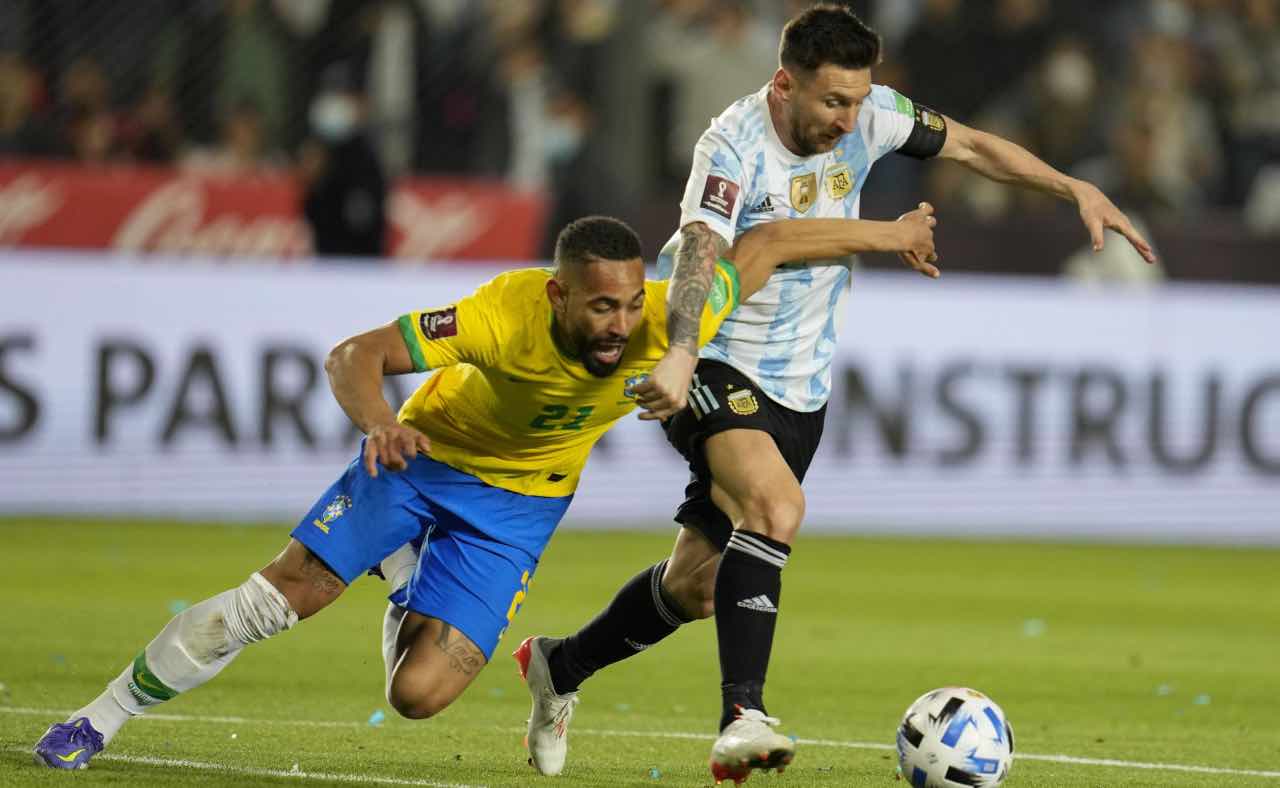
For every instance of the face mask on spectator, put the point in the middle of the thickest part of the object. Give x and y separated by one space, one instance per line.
334 116
561 139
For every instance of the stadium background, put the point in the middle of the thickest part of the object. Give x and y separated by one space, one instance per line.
197 199
253 180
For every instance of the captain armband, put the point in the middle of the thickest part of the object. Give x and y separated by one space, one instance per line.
927 135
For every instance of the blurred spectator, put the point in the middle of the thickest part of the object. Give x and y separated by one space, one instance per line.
91 134
516 119
942 38
151 133
576 34
1060 105
345 190
85 86
1262 210
1245 45
1165 157
1054 112
568 125
217 53
121 37
22 133
427 67
1012 42
88 125
1174 105
241 148
387 43
1117 263
711 54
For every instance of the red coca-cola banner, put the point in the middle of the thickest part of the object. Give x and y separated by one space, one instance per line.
135 209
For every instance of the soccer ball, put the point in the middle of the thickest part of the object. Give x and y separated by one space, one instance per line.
954 736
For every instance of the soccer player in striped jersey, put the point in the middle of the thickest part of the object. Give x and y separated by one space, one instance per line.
530 370
799 147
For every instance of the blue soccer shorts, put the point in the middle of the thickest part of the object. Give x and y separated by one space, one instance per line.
479 544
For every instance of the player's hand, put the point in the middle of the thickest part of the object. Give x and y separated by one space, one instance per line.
1098 213
393 445
917 249
663 393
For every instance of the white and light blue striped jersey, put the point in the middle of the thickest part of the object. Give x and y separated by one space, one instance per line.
783 337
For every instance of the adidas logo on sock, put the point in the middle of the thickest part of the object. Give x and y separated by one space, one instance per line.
764 206
760 603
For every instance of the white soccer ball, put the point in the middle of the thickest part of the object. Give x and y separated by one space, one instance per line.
955 737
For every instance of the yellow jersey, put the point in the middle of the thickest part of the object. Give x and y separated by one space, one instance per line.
505 404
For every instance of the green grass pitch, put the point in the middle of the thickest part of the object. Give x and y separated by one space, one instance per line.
1152 655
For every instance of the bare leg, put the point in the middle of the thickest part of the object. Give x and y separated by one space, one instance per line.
434 663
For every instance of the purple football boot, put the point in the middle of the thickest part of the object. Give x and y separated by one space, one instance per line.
68 745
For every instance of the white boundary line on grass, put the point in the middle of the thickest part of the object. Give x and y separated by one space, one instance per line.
862 745
254 771
853 745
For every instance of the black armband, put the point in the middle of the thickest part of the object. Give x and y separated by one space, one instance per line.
927 136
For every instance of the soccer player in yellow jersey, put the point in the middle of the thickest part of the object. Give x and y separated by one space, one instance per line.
531 369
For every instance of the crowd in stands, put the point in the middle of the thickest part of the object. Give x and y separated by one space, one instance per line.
1173 106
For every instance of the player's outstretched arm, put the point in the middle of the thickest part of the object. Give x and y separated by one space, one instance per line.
1006 162
757 252
663 393
356 368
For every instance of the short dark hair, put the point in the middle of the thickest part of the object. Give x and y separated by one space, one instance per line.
598 237
828 33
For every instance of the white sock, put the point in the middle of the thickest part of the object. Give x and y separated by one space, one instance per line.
390 630
105 714
398 568
192 648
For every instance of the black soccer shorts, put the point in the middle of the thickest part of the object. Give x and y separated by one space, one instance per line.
722 398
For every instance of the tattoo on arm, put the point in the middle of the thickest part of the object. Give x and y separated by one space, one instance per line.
463 656
700 248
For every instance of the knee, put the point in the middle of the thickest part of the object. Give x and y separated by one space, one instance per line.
416 704
416 695
776 516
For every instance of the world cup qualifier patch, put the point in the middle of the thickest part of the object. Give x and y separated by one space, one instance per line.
439 324
720 195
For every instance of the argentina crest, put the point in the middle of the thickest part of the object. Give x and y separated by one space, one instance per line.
743 402
839 183
804 190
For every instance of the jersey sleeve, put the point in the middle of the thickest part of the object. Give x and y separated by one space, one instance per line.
715 189
895 123
467 331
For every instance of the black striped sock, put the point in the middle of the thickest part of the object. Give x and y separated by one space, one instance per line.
640 615
748 589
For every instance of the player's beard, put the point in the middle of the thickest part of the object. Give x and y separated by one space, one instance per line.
809 144
588 347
